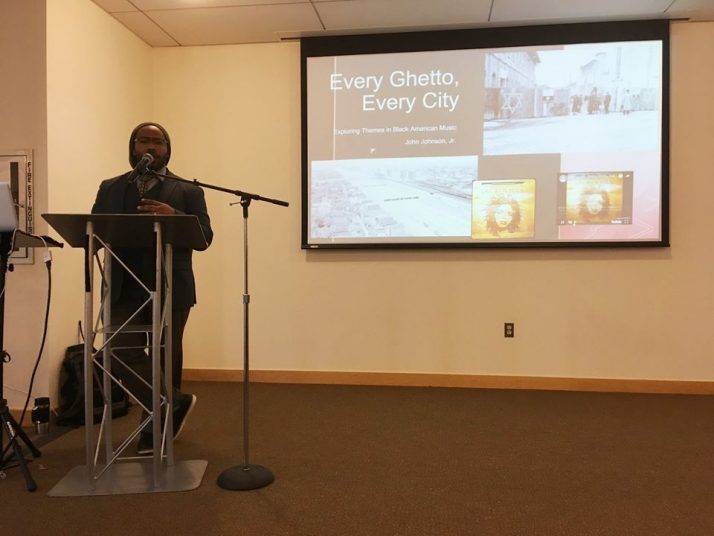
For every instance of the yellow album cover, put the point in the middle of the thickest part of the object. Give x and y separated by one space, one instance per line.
503 209
594 198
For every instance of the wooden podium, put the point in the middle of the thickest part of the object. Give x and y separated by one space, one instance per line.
115 473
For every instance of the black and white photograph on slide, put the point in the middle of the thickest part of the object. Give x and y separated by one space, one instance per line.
575 98
392 197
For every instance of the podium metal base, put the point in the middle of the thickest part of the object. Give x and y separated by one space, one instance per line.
126 478
245 477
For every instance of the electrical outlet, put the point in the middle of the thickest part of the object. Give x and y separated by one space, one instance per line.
509 329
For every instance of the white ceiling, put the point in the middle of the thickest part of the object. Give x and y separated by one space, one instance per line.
166 23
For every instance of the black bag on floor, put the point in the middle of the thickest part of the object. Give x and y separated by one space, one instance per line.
71 391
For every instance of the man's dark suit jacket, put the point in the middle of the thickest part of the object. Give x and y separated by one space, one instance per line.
116 194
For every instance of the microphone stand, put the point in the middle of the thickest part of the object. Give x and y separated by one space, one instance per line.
245 476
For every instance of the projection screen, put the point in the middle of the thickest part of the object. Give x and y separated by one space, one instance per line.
531 136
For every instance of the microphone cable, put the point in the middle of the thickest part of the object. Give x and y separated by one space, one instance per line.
9 267
48 264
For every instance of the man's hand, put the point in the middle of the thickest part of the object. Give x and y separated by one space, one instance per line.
149 206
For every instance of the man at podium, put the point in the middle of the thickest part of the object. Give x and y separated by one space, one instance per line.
140 191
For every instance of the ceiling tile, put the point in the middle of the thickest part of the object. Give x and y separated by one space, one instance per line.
699 10
374 14
525 10
148 5
226 25
114 6
213 22
145 28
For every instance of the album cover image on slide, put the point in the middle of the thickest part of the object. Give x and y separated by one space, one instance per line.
576 98
595 198
403 197
503 209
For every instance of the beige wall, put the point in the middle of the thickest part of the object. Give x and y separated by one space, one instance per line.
234 116
23 122
602 313
99 79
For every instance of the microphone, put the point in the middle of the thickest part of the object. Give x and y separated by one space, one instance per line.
140 167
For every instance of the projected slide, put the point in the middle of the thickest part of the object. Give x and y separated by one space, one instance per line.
548 144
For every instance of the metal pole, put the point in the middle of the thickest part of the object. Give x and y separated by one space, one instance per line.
245 476
88 355
168 352
156 359
107 356
246 332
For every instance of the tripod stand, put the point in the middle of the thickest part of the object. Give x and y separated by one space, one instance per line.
9 424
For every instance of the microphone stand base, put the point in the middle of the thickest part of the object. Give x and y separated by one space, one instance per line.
245 477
